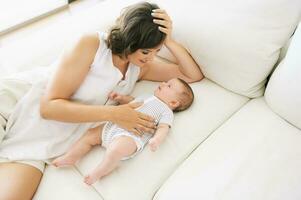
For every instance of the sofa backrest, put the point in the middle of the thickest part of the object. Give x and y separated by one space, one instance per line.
236 42
41 47
283 92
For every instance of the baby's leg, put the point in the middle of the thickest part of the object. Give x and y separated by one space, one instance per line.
91 138
120 147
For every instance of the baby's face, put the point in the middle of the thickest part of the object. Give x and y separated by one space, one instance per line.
169 91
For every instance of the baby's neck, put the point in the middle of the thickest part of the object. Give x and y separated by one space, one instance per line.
164 101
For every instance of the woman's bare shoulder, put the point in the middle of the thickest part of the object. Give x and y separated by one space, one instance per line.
88 41
82 49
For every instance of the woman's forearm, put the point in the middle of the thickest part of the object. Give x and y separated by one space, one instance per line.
187 64
67 111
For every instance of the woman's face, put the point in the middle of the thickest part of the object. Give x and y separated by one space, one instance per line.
142 56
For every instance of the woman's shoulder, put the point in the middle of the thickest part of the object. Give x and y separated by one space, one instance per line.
89 40
84 46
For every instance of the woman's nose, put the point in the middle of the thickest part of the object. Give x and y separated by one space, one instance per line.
151 56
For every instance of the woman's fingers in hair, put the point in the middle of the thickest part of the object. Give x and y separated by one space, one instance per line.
164 30
163 16
159 10
162 23
163 20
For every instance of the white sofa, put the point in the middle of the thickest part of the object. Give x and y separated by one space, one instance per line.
237 141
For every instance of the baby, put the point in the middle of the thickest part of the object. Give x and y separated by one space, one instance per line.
174 95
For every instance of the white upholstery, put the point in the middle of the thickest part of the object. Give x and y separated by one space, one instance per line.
142 176
254 155
224 146
283 93
64 184
236 42
48 43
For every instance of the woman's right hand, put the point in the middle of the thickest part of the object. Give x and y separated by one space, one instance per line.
136 122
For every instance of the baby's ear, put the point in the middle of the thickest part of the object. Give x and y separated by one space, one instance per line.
174 104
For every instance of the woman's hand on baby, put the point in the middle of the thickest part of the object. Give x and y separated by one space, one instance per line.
132 120
164 21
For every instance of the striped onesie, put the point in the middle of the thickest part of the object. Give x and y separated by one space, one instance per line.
151 106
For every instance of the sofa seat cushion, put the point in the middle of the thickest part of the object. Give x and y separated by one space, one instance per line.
140 177
254 155
283 93
64 183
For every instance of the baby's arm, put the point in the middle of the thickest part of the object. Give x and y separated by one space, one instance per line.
120 99
159 136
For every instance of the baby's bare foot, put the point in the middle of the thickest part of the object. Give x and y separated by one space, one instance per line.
63 161
90 179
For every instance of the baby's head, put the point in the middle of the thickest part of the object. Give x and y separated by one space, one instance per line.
176 93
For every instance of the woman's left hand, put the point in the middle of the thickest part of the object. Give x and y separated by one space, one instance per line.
163 20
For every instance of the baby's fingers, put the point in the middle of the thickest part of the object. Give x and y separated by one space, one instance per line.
152 145
112 95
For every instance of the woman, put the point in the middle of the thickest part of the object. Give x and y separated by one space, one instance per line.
47 121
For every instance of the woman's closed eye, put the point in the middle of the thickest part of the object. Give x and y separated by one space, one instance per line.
145 52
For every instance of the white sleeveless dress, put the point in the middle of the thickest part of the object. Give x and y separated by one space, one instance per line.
30 137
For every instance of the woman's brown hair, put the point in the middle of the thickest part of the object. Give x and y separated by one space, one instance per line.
134 30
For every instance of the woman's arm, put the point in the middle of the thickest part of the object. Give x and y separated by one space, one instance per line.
185 68
71 72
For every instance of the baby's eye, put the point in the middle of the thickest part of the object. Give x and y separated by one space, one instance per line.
145 52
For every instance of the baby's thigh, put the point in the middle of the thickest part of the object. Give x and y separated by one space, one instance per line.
94 135
122 146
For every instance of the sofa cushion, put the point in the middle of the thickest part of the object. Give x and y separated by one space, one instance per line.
237 43
58 184
41 47
234 45
283 93
254 155
140 177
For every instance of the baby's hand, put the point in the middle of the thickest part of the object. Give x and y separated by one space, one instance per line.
112 95
116 97
153 144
